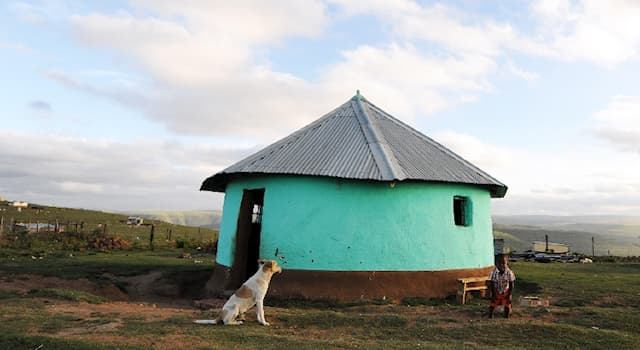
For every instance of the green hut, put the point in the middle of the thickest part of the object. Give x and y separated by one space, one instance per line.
356 205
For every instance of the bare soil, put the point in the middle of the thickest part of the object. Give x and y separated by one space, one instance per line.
25 283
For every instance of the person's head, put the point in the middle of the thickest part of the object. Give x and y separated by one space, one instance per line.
501 262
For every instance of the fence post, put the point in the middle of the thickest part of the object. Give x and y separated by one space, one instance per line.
12 229
1 225
151 237
104 229
56 229
37 226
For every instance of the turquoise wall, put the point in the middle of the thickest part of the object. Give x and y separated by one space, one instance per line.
331 224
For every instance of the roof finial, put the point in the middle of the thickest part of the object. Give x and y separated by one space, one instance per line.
357 96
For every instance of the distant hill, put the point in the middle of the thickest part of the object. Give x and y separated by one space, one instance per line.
194 218
601 224
90 220
615 235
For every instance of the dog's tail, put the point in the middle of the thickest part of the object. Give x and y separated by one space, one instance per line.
206 321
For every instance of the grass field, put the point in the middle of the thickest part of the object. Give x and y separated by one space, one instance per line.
593 306
110 224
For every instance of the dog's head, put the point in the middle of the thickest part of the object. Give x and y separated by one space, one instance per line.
269 266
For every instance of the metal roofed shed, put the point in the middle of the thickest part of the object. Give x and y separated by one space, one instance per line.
356 205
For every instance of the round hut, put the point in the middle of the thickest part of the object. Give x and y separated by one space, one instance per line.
356 205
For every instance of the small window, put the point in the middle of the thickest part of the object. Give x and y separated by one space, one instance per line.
256 216
461 211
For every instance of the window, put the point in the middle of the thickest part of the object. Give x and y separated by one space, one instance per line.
461 211
256 216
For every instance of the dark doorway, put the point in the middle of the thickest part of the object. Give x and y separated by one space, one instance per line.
247 252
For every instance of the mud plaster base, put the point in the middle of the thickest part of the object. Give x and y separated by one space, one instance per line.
353 285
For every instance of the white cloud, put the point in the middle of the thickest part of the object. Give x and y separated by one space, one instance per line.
567 182
206 78
619 123
194 42
79 187
102 174
603 32
407 82
521 73
478 152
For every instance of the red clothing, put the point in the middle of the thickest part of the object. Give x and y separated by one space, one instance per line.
501 299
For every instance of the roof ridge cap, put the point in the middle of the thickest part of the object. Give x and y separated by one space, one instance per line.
383 156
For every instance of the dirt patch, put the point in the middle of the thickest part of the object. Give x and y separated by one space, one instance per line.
154 287
119 311
151 312
107 327
609 300
25 283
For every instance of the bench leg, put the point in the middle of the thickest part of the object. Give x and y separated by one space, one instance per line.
462 296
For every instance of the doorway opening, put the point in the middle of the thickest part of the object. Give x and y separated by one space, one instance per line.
247 250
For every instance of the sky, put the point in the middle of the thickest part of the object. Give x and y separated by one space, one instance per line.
130 105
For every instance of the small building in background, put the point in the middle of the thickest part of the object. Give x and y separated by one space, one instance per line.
544 247
135 220
18 204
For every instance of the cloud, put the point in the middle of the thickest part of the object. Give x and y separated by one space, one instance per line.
521 73
19 47
602 32
194 42
102 174
40 105
406 81
567 182
619 123
475 150
207 76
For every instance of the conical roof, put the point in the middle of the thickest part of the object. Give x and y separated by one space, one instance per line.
359 141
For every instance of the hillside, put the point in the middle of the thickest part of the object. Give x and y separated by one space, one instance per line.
83 220
608 225
194 218
519 238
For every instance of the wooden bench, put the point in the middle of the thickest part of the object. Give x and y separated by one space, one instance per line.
468 284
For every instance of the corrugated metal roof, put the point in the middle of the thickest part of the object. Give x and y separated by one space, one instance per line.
362 142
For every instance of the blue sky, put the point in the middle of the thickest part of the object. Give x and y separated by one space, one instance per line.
129 105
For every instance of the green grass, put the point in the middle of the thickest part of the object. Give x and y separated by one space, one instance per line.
594 306
12 341
93 222
66 294
93 265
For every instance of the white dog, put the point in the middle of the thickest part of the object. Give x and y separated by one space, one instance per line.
251 293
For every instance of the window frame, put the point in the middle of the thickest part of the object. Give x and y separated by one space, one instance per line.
462 211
